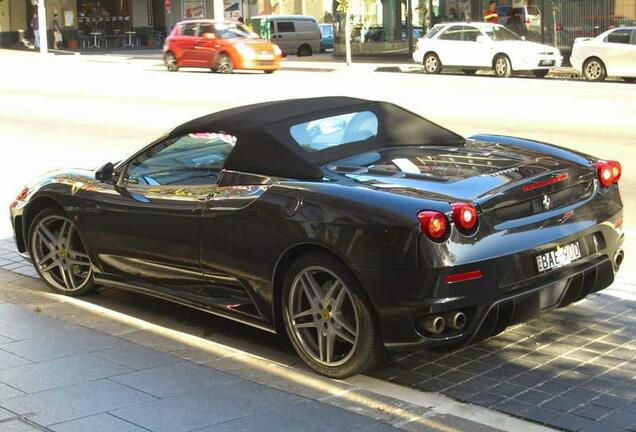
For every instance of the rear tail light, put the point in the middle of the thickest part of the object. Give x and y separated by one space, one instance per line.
464 216
22 195
433 224
609 172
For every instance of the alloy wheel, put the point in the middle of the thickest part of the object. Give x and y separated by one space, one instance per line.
430 64
323 317
171 62
502 66
59 255
594 70
225 64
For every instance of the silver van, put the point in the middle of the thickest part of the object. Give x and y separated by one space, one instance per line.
294 34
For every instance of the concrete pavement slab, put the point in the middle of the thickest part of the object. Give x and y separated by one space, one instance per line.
97 423
136 357
8 360
75 401
174 379
48 375
213 405
7 392
18 425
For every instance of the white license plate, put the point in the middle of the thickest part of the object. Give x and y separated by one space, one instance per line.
547 62
559 257
266 57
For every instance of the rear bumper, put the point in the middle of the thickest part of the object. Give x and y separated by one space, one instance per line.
510 291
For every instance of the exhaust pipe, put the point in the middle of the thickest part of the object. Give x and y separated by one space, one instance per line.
618 258
456 320
434 324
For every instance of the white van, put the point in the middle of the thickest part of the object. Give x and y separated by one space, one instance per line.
294 34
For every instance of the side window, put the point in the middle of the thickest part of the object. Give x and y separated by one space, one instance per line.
621 36
453 33
188 29
470 34
193 159
205 28
286 27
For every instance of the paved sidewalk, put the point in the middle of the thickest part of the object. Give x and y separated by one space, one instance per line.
70 365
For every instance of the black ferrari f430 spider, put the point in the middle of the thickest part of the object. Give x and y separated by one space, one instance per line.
352 225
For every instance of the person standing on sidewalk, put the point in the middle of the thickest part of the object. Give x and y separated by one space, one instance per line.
57 32
491 15
36 29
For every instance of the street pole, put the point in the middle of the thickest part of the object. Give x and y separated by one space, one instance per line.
44 42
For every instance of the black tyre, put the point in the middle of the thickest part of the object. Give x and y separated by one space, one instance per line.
224 64
540 73
304 51
594 70
431 63
171 62
58 253
502 66
269 71
328 319
469 71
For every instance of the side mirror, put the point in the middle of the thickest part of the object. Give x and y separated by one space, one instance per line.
105 173
209 35
482 39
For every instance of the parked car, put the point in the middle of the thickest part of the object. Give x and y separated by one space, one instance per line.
612 53
294 34
474 46
326 37
322 219
530 17
220 46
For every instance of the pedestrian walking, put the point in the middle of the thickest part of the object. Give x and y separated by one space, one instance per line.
57 32
491 15
35 25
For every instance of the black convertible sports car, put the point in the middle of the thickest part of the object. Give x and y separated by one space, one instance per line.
353 225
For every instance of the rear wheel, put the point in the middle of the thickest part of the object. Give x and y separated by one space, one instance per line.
502 66
304 51
171 62
328 319
594 70
431 63
58 254
540 73
224 64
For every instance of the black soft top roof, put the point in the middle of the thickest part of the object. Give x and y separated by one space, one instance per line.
265 146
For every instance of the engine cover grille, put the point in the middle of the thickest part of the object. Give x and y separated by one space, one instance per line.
540 204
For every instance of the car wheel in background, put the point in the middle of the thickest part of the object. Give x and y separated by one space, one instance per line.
304 51
328 319
269 71
171 62
469 71
594 70
540 73
502 66
431 63
224 64
629 79
58 253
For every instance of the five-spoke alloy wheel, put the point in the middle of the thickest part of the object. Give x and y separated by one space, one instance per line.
503 68
327 319
58 253
432 64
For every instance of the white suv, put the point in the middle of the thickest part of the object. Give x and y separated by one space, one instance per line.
480 46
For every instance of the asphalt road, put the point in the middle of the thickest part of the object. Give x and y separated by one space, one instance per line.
65 111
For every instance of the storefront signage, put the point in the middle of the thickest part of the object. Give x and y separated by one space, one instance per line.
193 9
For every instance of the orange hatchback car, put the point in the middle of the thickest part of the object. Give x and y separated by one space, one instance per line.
218 45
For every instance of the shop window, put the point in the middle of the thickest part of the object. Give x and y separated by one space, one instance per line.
621 36
286 27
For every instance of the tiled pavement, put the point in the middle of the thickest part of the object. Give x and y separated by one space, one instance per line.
572 369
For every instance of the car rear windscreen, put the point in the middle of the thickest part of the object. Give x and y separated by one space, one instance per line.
337 130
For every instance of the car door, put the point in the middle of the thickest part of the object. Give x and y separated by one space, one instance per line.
186 43
451 48
285 36
477 51
619 53
207 44
144 228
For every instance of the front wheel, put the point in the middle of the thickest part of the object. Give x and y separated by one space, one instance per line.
540 73
503 68
171 62
58 253
328 319
594 70
224 64
431 63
